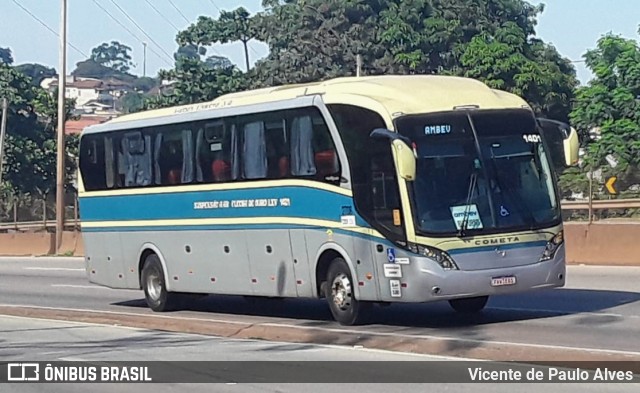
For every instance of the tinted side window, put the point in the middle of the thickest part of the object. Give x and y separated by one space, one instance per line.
373 175
216 151
292 143
92 162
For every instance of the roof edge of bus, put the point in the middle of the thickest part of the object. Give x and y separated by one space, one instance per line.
382 86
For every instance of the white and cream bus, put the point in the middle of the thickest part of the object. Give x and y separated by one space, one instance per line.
359 190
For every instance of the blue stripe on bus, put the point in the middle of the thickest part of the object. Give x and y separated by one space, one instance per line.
304 203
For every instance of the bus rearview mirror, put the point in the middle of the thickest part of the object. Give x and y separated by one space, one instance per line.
405 160
571 148
403 155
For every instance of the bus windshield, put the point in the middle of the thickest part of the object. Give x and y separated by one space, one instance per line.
480 172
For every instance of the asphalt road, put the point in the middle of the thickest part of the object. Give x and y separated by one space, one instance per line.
45 340
598 310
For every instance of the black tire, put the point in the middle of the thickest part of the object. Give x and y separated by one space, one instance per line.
155 289
469 305
345 308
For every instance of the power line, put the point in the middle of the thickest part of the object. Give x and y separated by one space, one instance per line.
180 12
141 29
162 15
176 28
215 5
48 28
128 30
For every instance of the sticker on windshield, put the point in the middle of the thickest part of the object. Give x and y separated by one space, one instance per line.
473 220
503 211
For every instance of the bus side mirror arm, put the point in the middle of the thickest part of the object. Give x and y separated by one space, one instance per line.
403 155
383 133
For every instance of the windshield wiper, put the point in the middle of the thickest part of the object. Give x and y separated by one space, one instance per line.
473 181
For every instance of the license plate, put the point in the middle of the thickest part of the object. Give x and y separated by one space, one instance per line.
502 281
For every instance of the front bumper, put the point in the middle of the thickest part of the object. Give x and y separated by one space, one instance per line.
425 281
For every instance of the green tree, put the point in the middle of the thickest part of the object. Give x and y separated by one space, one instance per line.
37 72
509 60
30 145
144 84
218 62
193 81
113 55
90 69
6 56
231 26
132 102
189 51
492 40
610 103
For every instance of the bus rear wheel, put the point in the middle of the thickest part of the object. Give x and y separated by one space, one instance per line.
469 305
155 288
345 308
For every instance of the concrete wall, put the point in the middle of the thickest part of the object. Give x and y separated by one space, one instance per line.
601 243
19 244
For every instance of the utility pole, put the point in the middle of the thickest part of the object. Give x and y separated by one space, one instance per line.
3 130
62 79
144 59
359 65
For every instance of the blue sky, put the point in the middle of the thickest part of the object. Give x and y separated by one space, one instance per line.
573 26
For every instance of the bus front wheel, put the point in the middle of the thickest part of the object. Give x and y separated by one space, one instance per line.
469 305
155 288
345 308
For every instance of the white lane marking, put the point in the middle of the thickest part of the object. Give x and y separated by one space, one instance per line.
445 338
564 313
78 286
73 323
219 338
336 330
56 269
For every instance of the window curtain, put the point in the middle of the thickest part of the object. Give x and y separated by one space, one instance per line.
156 159
302 158
187 156
108 162
199 138
255 151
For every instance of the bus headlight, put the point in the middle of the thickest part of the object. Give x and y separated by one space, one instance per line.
552 246
441 257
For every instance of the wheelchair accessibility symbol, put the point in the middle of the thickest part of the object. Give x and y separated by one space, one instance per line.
391 255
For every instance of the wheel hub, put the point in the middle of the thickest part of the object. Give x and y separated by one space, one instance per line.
153 286
341 292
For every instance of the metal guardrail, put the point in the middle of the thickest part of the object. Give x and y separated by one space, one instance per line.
31 225
566 205
602 204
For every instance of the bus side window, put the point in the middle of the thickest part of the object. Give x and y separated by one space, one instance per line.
136 159
92 159
278 160
313 153
216 151
169 157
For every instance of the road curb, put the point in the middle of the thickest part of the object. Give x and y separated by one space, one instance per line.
422 344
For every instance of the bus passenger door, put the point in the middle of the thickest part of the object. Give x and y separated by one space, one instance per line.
271 263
